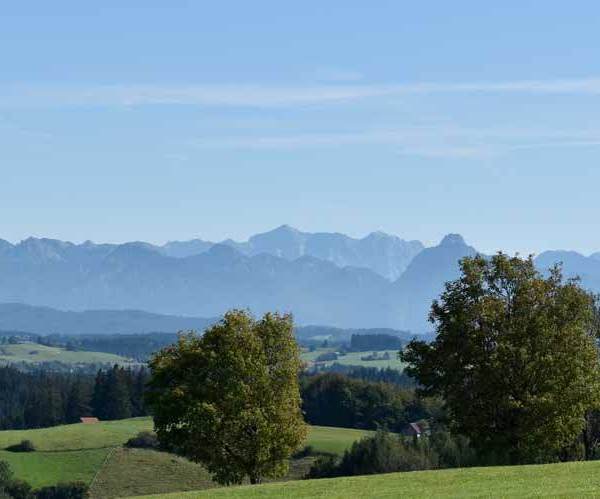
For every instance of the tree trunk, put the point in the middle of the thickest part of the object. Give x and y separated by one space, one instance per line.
255 479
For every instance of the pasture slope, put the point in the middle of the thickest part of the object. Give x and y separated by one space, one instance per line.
34 353
355 359
95 455
575 479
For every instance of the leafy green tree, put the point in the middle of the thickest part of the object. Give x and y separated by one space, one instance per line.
381 453
230 399
515 358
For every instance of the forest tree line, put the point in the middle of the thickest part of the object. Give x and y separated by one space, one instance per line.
42 399
355 399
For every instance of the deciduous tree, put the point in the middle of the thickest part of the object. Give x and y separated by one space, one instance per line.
230 398
515 358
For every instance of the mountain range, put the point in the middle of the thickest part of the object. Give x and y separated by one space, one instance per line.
382 253
323 278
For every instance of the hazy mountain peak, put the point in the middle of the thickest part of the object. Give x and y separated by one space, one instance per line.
286 228
379 234
453 240
183 249
283 232
223 252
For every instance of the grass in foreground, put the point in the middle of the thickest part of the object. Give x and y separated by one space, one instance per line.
49 468
576 479
139 471
80 452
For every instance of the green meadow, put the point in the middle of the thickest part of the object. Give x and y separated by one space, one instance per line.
34 353
95 455
574 479
355 359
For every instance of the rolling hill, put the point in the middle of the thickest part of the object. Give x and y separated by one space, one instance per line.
574 479
327 279
45 320
95 455
34 353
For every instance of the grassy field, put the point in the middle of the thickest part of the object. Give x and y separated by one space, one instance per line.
579 479
35 353
334 440
354 359
47 468
78 436
94 454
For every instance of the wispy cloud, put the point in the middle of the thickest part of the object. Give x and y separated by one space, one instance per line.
434 141
269 96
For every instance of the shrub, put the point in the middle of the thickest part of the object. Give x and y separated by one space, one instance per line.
336 400
74 490
19 489
382 453
6 474
324 467
22 446
143 440
454 451
327 357
309 450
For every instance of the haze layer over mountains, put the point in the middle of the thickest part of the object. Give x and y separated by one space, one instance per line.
323 278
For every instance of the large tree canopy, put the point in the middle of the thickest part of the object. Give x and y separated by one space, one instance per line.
230 398
515 358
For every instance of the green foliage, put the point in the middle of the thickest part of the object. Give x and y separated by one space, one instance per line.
143 440
230 399
381 453
78 402
6 473
11 488
76 490
453 451
45 399
22 446
374 342
112 394
515 358
19 489
335 400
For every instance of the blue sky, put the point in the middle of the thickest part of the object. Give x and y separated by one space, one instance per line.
147 120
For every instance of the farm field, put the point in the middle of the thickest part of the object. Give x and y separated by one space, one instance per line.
574 479
33 353
94 454
78 436
47 468
354 359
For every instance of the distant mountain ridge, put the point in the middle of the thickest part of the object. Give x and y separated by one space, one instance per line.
45 320
322 278
17 318
382 253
